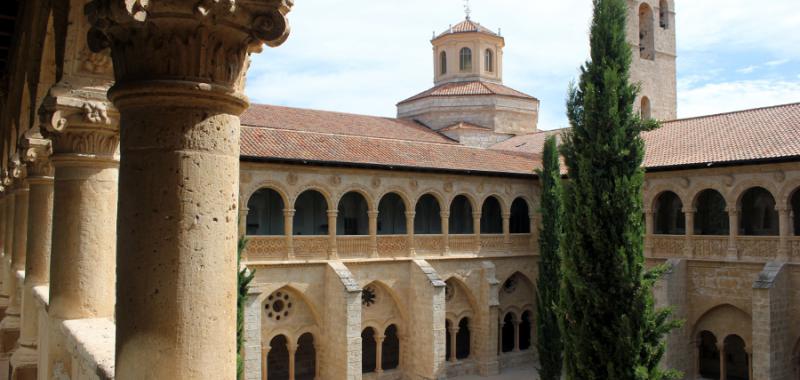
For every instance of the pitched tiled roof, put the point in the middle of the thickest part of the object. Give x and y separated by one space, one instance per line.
467 26
469 88
762 134
293 135
465 125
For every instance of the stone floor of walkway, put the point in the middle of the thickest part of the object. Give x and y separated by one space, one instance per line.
522 373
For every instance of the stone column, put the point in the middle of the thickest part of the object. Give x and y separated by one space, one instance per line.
9 327
332 252
688 247
243 221
749 362
37 262
500 336
264 356
516 335
733 222
179 68
648 237
8 242
288 230
785 223
535 220
697 347
412 250
453 331
379 353
3 296
445 216
292 348
373 233
507 231
476 226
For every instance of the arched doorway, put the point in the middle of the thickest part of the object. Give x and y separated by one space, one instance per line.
520 222
390 352
708 356
491 217
305 362
737 366
461 216
711 217
265 213
311 214
352 217
525 331
278 359
669 216
391 215
368 350
508 334
463 339
427 216
758 217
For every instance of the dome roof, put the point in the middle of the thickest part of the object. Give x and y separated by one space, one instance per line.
468 26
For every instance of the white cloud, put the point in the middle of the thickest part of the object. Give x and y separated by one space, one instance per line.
733 96
748 69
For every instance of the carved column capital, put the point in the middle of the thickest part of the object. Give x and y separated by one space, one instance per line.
205 41
80 122
17 171
37 157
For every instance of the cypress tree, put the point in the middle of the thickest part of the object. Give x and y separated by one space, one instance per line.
244 276
611 329
549 343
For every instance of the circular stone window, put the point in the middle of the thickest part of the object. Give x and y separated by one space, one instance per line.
278 305
368 296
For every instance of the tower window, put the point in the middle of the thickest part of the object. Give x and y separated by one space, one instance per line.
663 14
465 62
646 33
443 63
645 108
488 58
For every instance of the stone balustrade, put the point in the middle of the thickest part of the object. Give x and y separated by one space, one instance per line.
758 248
795 248
748 248
493 243
668 246
429 244
393 246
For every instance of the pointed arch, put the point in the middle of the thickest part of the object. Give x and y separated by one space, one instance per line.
724 320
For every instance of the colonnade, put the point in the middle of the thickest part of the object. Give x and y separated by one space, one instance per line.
139 191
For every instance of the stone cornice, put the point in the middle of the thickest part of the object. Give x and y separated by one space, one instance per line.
205 41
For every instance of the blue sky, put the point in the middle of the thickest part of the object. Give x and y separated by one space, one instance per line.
363 56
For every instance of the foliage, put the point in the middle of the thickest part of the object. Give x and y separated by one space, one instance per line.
245 276
549 343
610 325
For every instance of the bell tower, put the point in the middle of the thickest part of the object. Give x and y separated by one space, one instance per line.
651 34
466 52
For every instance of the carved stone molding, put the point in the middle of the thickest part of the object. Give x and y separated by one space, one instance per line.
203 41
79 123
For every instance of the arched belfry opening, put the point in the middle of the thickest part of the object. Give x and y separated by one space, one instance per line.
265 213
711 217
646 33
465 59
646 108
663 14
443 63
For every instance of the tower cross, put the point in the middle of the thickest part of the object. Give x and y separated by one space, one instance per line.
467 9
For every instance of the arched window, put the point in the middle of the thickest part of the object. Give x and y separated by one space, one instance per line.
646 33
663 14
758 216
368 351
442 63
305 358
461 216
669 217
352 218
465 59
646 108
507 333
711 217
278 359
463 342
520 222
390 350
391 215
796 211
311 214
736 366
525 331
265 213
488 60
708 356
491 217
427 216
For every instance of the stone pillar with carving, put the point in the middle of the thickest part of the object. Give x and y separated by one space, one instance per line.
785 226
9 327
179 67
733 222
37 262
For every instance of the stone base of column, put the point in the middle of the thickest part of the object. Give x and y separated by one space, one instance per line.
733 254
24 363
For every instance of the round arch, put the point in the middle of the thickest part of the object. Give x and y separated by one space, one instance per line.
265 213
711 216
353 214
668 215
758 216
520 216
492 210
427 215
461 213
272 185
364 192
724 320
392 214
311 213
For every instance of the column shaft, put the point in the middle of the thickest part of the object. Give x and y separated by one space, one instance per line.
8 245
288 231
292 350
445 216
689 244
379 353
649 228
453 334
476 226
412 250
20 247
722 370
332 252
3 223
785 228
373 233
507 231
516 336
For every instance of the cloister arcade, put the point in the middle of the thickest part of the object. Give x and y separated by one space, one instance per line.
724 344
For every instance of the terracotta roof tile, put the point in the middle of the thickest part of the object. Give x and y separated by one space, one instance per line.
469 88
467 26
465 125
749 135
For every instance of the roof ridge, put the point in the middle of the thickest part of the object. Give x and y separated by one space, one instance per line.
731 112
326 111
